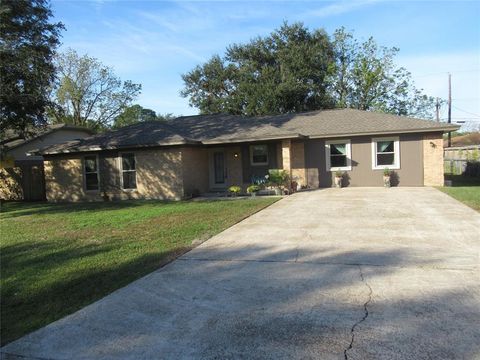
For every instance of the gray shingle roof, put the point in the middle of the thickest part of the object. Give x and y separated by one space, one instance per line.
145 134
343 122
222 128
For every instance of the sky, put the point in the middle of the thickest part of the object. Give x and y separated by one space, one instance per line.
154 42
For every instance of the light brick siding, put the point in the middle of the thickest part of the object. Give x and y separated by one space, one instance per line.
298 163
64 179
286 154
433 160
159 176
195 171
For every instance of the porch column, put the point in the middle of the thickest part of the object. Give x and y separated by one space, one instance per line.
286 156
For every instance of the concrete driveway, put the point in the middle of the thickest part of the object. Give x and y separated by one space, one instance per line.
355 273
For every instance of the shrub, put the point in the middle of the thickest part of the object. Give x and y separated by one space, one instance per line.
277 177
234 190
472 169
386 172
253 189
339 173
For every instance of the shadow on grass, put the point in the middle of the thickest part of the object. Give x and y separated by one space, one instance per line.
462 180
23 311
16 209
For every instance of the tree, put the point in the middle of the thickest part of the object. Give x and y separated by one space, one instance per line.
366 77
136 113
281 73
88 93
27 44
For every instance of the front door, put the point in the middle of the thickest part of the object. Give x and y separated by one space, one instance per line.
218 171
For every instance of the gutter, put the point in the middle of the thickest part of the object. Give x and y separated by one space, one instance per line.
442 129
240 140
106 148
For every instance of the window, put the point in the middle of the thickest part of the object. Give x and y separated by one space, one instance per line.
386 153
259 154
338 155
90 171
129 173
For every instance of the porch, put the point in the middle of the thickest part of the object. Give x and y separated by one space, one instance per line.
247 163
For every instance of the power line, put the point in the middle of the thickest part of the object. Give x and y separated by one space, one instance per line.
448 72
465 111
461 118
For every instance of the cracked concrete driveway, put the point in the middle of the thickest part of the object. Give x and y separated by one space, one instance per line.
356 273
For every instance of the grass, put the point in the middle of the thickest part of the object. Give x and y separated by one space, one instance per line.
58 258
465 189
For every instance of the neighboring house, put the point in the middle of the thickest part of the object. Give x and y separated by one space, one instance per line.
197 154
21 174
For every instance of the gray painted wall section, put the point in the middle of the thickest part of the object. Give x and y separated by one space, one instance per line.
362 174
249 170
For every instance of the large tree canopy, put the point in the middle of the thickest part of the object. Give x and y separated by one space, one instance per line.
364 76
283 72
295 69
27 44
135 114
88 93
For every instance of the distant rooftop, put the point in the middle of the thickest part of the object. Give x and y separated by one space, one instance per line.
12 139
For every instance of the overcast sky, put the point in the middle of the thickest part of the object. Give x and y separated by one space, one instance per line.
154 42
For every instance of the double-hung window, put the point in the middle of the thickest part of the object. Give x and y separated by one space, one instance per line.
338 155
259 154
129 172
90 172
386 153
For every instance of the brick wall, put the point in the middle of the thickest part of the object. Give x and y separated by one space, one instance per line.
159 176
433 159
298 163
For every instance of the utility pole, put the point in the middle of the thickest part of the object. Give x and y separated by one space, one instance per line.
449 107
437 107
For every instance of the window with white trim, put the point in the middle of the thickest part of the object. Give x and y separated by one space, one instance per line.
386 153
259 154
129 172
338 155
90 172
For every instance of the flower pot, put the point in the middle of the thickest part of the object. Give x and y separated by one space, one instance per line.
278 191
386 180
338 181
253 194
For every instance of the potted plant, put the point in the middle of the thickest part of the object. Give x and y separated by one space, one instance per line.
278 179
386 177
338 178
234 190
253 189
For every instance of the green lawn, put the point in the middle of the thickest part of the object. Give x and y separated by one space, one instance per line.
464 189
57 258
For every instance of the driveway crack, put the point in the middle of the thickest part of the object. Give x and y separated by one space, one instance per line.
365 316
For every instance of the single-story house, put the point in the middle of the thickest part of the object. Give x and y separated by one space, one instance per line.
198 154
21 174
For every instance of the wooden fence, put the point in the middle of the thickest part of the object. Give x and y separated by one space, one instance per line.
25 181
454 166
